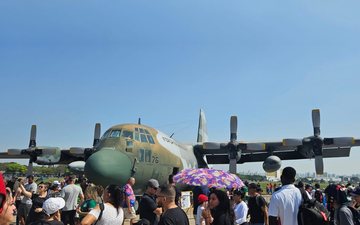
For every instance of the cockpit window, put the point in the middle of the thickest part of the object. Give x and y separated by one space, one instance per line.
115 133
143 135
137 136
127 134
106 134
151 140
143 138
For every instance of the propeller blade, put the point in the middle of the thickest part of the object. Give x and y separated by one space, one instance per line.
232 166
316 121
319 164
256 146
233 128
32 142
292 142
341 141
77 150
30 168
211 145
13 151
97 133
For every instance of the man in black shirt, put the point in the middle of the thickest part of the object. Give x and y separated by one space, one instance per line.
258 209
148 208
172 215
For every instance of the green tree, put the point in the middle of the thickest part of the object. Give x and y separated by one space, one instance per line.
15 168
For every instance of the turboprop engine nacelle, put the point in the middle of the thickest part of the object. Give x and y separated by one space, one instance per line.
272 164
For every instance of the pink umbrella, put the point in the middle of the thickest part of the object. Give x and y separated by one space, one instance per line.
208 177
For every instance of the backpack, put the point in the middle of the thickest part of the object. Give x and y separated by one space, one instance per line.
101 205
356 215
318 196
312 212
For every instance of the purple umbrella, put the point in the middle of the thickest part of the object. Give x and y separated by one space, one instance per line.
208 177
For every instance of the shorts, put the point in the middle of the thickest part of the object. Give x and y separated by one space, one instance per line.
129 215
23 210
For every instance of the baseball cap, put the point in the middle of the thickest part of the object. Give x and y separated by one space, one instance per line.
2 192
356 191
202 198
52 205
153 183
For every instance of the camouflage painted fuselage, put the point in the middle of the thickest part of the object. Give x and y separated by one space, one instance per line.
139 151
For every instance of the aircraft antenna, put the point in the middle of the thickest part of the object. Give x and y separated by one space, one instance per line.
172 135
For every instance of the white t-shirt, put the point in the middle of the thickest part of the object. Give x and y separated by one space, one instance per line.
110 215
241 211
199 210
285 204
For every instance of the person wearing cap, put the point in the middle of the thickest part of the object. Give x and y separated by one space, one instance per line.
148 208
284 203
203 201
7 206
55 189
343 214
240 207
258 209
51 209
356 197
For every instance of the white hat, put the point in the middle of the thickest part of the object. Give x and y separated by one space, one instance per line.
56 182
52 205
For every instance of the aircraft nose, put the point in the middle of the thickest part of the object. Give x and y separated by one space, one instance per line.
108 166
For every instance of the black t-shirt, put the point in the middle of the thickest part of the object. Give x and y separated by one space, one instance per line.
222 219
37 202
44 222
255 212
174 216
146 208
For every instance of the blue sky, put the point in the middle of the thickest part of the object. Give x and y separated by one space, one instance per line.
65 65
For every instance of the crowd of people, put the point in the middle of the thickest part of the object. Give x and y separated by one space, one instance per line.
63 203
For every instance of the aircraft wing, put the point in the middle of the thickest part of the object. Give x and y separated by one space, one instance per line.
233 153
45 155
218 153
51 155
5 155
283 155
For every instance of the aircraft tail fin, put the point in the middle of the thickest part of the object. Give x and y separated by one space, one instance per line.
202 130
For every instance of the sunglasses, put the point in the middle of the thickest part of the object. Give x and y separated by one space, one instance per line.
41 186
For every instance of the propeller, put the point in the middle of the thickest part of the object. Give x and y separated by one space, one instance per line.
97 132
30 150
232 145
317 142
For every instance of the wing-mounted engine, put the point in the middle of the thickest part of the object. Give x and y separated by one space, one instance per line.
53 155
313 146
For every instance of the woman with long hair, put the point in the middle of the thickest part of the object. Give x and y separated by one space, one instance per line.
112 212
91 198
220 211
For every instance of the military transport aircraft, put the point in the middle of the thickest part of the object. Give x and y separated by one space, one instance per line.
143 152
